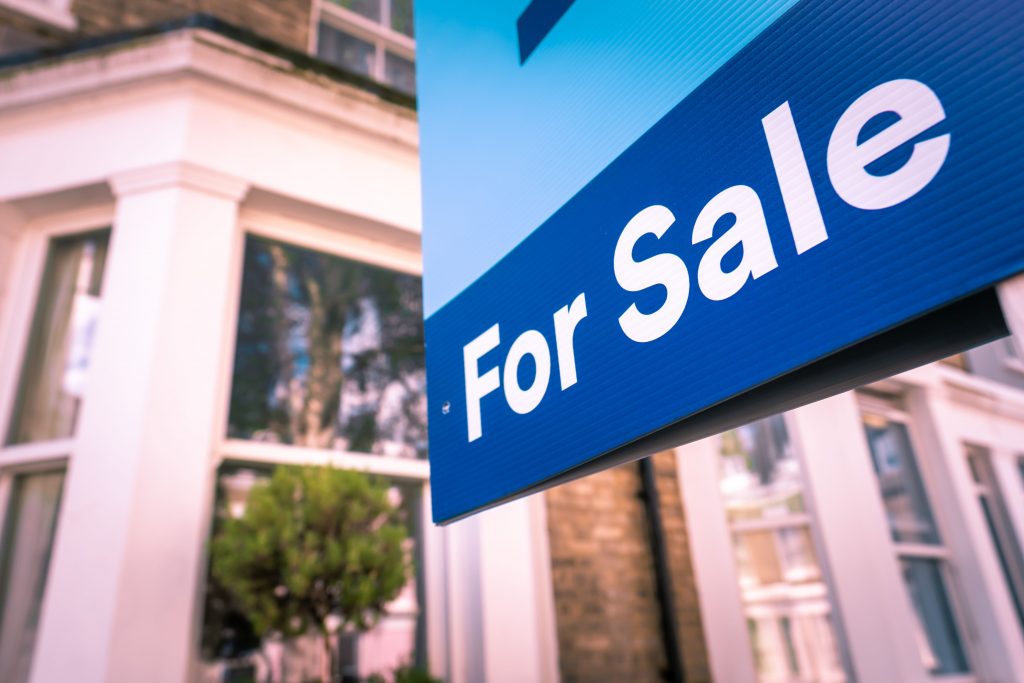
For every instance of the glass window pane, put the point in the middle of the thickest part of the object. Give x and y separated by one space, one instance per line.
329 354
401 17
937 636
783 555
60 343
906 505
400 73
371 9
760 477
1000 526
231 651
784 595
346 51
24 559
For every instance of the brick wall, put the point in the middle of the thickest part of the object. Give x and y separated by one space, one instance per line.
284 21
605 588
684 587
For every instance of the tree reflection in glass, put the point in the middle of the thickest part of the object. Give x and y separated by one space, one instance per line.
329 354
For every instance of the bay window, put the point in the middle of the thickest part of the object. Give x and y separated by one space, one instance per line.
25 546
785 597
60 341
916 538
45 403
328 370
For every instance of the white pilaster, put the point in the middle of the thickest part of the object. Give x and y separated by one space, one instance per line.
873 604
122 597
714 568
501 601
514 600
464 602
991 624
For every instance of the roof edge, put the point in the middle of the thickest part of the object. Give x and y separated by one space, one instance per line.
201 20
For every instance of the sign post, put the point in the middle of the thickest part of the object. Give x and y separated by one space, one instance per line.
644 225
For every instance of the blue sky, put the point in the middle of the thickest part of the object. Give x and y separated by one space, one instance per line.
504 145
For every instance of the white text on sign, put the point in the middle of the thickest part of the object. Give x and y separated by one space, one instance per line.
917 109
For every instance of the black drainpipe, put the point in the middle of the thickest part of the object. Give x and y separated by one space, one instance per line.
662 574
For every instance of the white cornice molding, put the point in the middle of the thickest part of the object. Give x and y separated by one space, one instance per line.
179 174
981 393
208 57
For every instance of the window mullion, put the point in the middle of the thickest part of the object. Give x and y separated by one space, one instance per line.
772 523
379 67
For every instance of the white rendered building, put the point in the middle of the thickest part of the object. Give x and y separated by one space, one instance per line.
172 204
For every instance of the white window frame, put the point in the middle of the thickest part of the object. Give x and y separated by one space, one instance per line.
994 491
406 471
56 13
11 471
25 280
798 520
30 249
871 404
383 37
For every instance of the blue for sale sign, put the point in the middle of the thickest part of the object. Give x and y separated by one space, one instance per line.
655 221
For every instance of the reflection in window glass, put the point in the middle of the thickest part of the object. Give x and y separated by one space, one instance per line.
24 560
784 595
60 343
937 636
371 9
329 354
912 525
400 73
1000 526
401 16
346 51
906 506
760 478
231 651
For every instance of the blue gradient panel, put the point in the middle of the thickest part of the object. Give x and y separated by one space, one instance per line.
504 145
959 233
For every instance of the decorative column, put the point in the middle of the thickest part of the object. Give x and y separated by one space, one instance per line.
978 579
500 602
123 597
872 603
714 569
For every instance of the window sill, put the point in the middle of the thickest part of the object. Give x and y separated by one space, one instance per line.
39 451
58 18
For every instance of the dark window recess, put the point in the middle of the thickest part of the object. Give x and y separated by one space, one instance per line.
329 354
